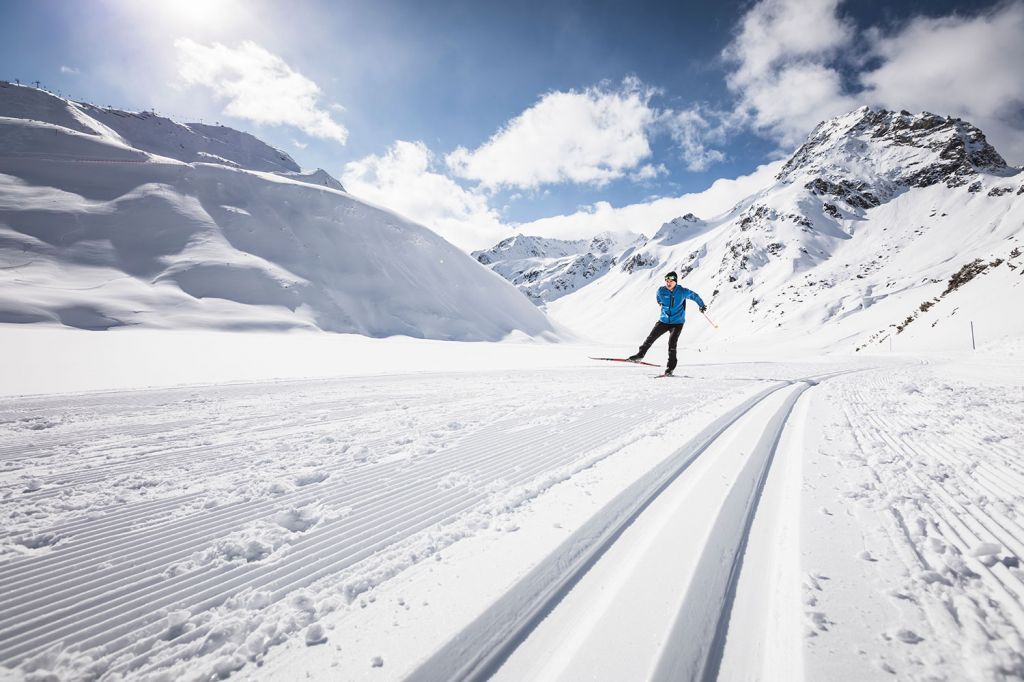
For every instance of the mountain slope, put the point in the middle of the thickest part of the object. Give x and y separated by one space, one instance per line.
546 269
111 219
864 227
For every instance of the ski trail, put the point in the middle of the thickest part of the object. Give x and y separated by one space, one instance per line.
929 471
141 582
517 637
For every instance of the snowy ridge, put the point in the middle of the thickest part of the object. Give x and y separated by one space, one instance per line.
157 135
546 269
868 223
677 230
110 219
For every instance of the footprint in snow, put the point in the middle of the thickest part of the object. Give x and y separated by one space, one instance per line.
904 635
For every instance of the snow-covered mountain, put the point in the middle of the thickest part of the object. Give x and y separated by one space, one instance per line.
111 218
882 223
547 269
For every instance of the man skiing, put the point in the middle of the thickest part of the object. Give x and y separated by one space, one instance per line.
672 299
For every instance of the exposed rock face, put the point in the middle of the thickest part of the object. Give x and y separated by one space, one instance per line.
857 194
867 156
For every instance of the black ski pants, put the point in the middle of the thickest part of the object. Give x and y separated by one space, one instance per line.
673 338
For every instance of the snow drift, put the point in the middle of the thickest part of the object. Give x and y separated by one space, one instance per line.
110 218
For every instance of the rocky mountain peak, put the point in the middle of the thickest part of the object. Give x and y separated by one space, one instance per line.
677 229
522 246
866 156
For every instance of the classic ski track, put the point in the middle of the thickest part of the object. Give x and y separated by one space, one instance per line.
978 480
358 475
160 450
172 456
480 650
217 465
960 525
63 597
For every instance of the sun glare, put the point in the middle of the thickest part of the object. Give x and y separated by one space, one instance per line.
186 15
208 13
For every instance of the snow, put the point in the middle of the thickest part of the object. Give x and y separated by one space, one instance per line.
547 269
121 221
551 516
216 488
864 227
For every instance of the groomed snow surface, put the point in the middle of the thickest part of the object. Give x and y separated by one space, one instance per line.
513 511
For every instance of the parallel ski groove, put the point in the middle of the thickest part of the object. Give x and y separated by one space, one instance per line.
245 510
961 524
1009 532
472 656
583 434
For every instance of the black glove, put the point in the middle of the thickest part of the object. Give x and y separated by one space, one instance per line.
703 308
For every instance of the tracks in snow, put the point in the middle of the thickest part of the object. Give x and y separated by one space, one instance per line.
138 585
950 487
644 589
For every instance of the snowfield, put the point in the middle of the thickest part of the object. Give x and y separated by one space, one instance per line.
448 488
833 518
117 219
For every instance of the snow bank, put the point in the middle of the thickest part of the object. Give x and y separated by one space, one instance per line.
96 233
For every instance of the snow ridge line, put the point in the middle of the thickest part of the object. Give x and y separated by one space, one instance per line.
283 576
967 526
481 648
333 491
947 515
243 510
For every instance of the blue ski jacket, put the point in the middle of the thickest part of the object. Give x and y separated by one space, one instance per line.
673 303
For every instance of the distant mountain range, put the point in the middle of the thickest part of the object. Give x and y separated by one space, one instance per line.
883 225
547 269
865 233
111 218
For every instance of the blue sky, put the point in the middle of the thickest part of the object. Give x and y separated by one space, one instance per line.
480 118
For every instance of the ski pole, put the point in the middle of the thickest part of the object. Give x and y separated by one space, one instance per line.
709 319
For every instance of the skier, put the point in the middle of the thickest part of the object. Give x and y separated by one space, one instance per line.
673 316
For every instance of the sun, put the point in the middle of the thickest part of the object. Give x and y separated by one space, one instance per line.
199 13
185 15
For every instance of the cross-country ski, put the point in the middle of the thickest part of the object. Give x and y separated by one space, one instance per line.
629 360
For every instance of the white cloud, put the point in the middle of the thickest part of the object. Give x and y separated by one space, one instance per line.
959 66
691 131
69 70
258 86
783 66
787 57
647 217
648 172
590 137
402 180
